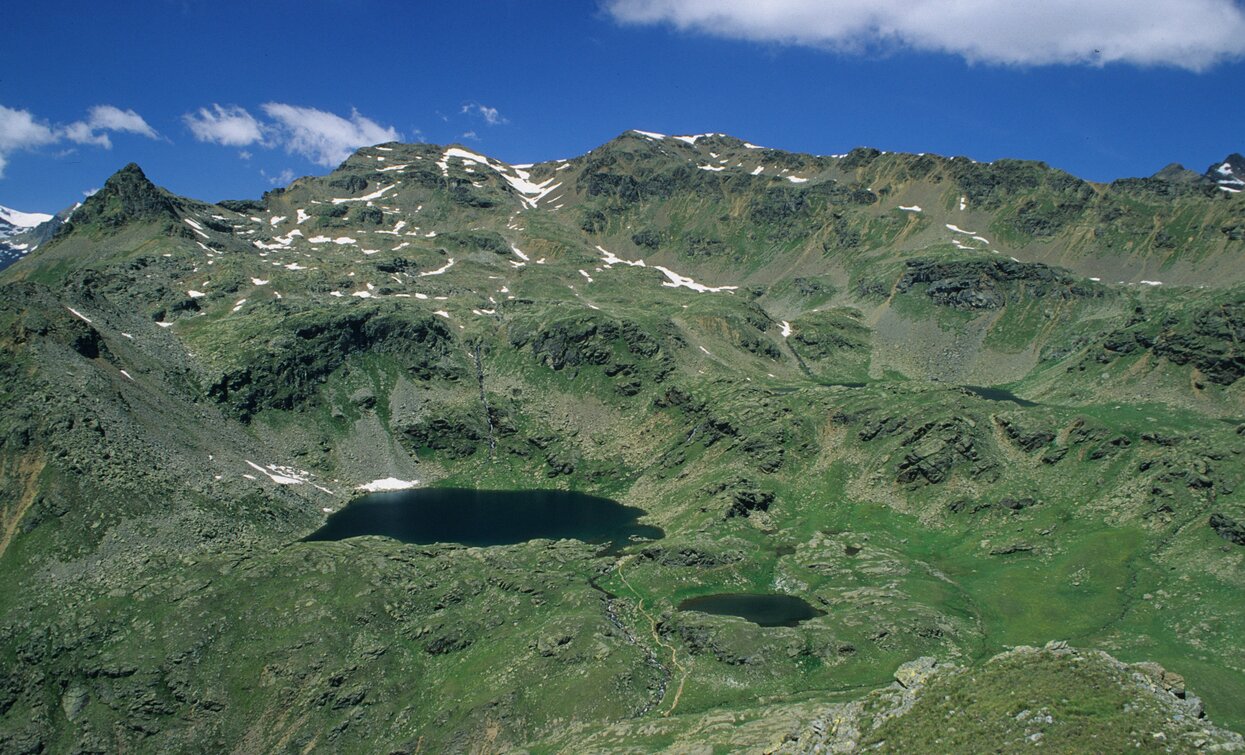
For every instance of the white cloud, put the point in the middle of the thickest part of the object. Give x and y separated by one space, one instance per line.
109 118
284 178
19 130
490 115
80 132
104 118
323 137
1192 34
231 126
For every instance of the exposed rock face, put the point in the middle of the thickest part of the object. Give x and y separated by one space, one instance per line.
1229 529
989 284
933 449
1211 342
127 196
297 360
1173 716
623 349
1027 440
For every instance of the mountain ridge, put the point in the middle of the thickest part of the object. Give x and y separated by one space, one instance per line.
886 385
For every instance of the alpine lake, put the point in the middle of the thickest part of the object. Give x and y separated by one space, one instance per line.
482 518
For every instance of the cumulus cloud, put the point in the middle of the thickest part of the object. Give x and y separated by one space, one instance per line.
230 125
490 115
1191 34
80 132
20 130
109 118
284 178
322 137
102 119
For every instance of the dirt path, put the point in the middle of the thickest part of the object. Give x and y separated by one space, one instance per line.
674 653
28 469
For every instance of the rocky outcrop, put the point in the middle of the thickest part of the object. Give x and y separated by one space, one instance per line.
127 196
1211 342
288 371
1227 528
932 450
624 350
1026 439
989 283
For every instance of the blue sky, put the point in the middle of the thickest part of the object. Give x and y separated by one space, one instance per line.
1121 89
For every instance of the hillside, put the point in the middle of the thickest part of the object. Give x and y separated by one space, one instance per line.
956 408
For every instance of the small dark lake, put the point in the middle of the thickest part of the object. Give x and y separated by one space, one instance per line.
487 517
765 610
998 394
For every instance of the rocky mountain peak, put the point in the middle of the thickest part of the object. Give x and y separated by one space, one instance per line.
128 195
1229 174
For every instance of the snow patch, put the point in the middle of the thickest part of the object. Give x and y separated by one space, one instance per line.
913 208
366 198
680 281
612 259
692 138
786 328
79 315
23 219
387 484
440 270
276 476
650 134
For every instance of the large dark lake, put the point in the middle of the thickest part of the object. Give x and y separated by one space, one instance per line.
487 517
998 394
766 610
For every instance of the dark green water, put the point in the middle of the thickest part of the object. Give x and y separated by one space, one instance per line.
487 517
765 610
998 394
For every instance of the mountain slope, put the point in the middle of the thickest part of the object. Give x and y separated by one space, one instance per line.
16 233
956 407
